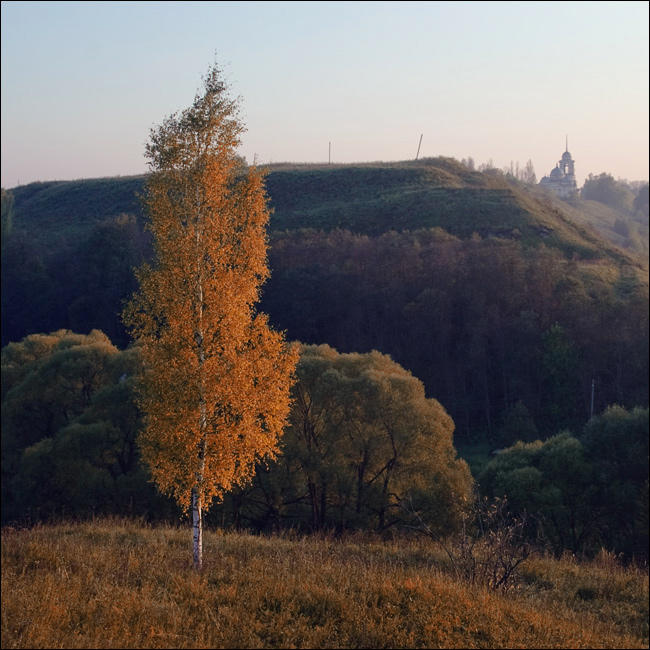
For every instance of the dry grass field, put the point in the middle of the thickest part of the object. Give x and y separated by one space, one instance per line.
123 584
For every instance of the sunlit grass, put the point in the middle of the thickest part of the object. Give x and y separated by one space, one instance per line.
120 584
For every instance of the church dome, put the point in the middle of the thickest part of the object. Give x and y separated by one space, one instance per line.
557 174
566 156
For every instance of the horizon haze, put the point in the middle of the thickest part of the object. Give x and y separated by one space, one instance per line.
83 82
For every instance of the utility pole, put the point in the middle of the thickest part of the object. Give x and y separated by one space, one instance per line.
419 145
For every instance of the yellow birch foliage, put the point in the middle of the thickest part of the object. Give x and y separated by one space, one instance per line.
215 392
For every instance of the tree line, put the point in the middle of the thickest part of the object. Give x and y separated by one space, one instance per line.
488 325
361 439
492 329
360 432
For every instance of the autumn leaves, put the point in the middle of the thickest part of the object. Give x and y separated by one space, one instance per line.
215 390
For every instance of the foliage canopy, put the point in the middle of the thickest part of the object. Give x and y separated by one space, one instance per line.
69 427
362 436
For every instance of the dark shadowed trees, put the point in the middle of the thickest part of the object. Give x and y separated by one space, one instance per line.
361 436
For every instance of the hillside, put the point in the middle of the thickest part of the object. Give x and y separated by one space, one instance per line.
55 211
370 199
602 218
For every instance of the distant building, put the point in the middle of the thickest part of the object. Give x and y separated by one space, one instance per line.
562 179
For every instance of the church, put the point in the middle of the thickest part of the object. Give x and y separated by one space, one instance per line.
562 179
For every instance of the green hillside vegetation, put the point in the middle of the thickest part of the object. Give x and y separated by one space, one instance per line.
597 215
627 229
430 193
370 198
118 583
59 211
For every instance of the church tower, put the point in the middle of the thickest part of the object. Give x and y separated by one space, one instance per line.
567 164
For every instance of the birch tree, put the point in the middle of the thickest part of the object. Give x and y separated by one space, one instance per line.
216 387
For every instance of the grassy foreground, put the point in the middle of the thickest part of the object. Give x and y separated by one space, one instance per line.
121 584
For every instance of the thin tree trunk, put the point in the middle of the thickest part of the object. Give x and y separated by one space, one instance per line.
197 529
197 511
197 502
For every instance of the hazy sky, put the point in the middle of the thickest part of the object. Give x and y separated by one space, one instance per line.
83 82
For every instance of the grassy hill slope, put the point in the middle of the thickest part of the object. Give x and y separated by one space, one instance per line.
56 210
367 198
434 192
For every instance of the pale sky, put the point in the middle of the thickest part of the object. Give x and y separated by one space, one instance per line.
83 82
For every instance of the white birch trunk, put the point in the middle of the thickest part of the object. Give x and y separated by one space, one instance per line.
197 529
197 501
197 511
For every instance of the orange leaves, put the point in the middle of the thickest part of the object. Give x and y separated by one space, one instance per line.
217 381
